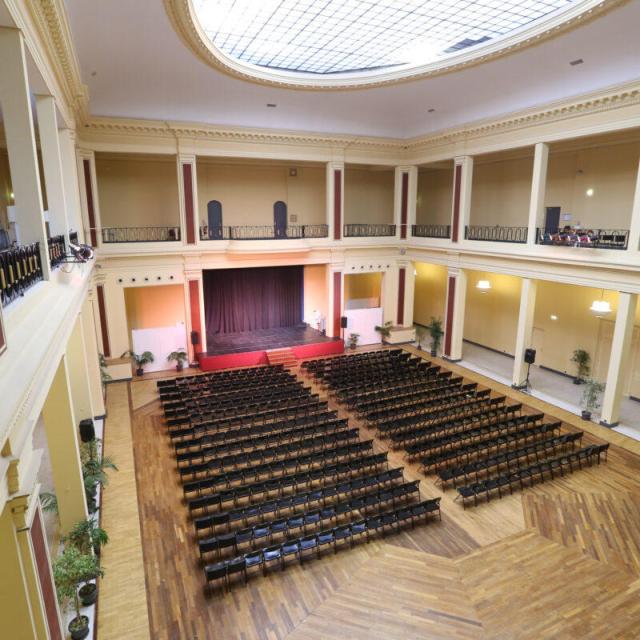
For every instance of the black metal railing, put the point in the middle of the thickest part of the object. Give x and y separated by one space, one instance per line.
496 234
57 250
20 269
431 231
140 234
264 232
369 230
73 237
585 238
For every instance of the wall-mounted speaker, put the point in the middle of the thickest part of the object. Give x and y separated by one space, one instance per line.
87 430
530 356
195 338
343 322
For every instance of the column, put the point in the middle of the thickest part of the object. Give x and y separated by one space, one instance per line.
405 197
335 199
634 226
89 198
461 205
91 355
67 139
62 439
454 314
335 287
194 304
620 359
538 191
52 164
188 198
79 374
524 333
15 101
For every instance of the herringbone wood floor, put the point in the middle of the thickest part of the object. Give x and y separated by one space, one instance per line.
561 560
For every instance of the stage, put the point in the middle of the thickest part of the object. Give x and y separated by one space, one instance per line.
249 348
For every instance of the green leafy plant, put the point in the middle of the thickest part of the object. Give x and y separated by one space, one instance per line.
94 470
385 329
591 396
353 340
139 359
421 334
70 569
582 359
87 536
105 376
49 502
179 357
436 332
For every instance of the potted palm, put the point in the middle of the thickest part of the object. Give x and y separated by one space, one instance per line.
105 376
179 357
353 340
421 334
139 359
436 332
385 329
94 471
70 569
591 397
582 360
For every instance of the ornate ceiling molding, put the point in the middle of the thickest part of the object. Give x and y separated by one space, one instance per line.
182 16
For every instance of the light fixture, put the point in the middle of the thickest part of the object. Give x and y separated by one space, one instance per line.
272 105
80 253
575 63
12 195
589 192
600 307
553 316
483 285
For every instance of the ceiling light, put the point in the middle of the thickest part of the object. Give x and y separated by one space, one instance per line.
272 105
483 285
589 192
576 62
553 316
600 307
430 110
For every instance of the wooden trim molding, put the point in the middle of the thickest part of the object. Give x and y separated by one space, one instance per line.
104 329
457 185
337 302
91 214
402 273
187 182
451 296
337 204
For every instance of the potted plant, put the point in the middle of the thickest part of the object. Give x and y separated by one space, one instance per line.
70 569
436 332
87 535
421 334
180 357
94 471
140 360
591 397
582 359
353 340
105 376
385 330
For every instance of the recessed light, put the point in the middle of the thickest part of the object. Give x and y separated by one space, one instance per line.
273 105
576 62
430 110
553 316
589 192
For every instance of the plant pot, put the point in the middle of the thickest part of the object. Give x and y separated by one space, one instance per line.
578 381
434 353
79 628
139 371
586 415
88 594
179 366
97 549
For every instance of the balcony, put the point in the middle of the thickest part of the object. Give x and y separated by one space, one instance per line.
113 235
265 232
369 230
19 269
516 235
584 238
57 250
431 231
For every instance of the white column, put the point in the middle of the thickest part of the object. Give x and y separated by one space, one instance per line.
409 291
538 191
620 359
406 204
454 314
524 334
15 100
67 138
89 201
188 194
634 226
91 354
461 203
335 199
79 374
335 287
52 164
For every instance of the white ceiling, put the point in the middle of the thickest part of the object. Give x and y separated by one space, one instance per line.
143 70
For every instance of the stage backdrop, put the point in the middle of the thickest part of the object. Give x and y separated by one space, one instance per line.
257 298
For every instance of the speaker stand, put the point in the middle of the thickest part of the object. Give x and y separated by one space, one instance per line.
524 387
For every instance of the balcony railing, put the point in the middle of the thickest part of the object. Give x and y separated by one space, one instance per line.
369 230
496 234
57 250
140 234
19 269
431 231
264 232
585 238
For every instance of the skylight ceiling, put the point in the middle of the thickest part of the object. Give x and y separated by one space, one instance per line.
327 37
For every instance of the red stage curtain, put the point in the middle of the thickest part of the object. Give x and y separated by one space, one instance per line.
247 299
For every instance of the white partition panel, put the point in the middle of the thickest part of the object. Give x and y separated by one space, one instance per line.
161 341
362 322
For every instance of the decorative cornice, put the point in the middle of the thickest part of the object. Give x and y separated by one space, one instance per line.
182 16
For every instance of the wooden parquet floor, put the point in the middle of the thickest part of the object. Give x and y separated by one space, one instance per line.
559 561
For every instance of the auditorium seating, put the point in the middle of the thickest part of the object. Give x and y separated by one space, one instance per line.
472 439
269 473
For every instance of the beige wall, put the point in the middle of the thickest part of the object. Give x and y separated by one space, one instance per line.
430 292
435 196
609 170
154 307
359 286
368 196
501 192
248 192
137 191
315 291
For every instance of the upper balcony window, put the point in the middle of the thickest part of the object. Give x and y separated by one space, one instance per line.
365 38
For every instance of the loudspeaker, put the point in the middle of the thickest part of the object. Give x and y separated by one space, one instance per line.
87 431
343 322
195 338
529 356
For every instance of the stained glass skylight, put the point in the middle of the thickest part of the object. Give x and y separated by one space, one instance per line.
339 36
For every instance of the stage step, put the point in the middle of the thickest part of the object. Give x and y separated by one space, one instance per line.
283 356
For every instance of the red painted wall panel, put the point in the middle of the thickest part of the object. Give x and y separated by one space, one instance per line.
457 183
91 214
404 203
401 282
337 204
104 329
187 181
337 302
194 307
